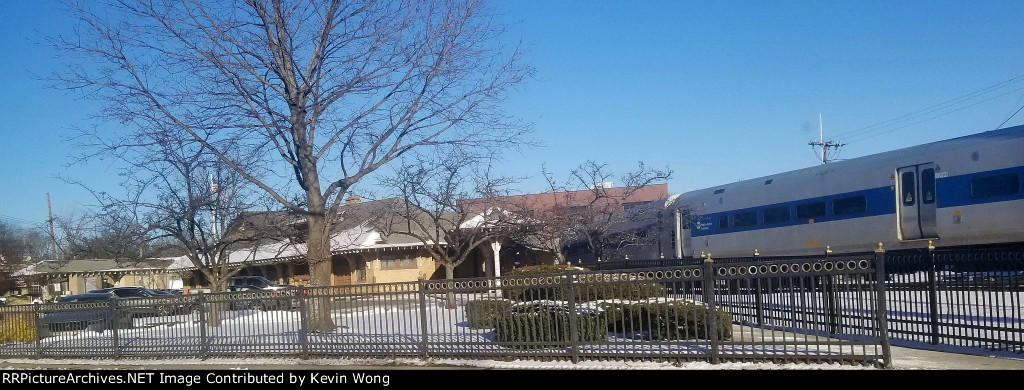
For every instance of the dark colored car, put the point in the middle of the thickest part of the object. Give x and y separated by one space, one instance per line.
143 301
257 281
248 297
89 311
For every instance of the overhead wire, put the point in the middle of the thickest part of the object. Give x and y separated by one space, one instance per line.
881 131
940 109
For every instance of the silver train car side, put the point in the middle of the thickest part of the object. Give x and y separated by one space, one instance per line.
960 192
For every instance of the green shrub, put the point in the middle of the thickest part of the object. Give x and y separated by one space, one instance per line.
483 313
548 324
590 287
665 320
17 327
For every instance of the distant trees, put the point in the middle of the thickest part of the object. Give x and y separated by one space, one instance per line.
584 209
323 92
19 246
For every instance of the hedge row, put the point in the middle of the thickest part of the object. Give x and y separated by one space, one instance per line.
548 327
665 320
484 313
17 327
542 322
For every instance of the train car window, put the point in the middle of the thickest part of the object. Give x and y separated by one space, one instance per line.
992 186
908 188
776 215
928 186
810 210
744 219
723 222
850 205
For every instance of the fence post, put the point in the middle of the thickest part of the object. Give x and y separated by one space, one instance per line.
35 321
423 317
204 347
574 339
933 295
113 326
304 321
828 290
880 312
709 301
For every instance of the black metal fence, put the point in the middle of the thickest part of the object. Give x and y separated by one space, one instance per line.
963 298
960 298
810 310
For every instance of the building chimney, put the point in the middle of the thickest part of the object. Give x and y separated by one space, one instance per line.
353 199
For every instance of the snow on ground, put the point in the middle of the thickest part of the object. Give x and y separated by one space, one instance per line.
398 363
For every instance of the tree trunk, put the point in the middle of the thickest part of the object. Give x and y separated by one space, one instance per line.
449 272
318 254
559 257
213 316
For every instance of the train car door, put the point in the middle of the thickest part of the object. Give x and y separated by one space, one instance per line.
915 202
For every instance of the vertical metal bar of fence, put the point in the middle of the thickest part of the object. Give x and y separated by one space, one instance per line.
204 346
759 300
112 317
880 313
35 323
829 289
304 317
709 300
933 297
423 318
574 340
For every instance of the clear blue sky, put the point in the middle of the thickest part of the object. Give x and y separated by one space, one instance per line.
719 91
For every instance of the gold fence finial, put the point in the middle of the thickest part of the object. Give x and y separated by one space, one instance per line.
880 248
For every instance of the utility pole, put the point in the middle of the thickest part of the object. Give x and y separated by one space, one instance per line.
53 237
214 189
824 145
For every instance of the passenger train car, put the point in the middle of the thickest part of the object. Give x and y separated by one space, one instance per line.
959 192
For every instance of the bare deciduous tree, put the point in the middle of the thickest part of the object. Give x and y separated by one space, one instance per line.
329 90
603 212
432 212
18 247
584 210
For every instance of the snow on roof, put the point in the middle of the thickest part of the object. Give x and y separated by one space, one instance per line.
359 238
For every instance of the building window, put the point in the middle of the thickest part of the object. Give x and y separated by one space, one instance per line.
580 209
908 189
928 186
632 205
744 219
361 274
850 205
810 210
398 262
992 186
776 215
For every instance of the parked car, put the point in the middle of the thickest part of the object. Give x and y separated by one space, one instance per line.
257 281
143 301
254 298
73 313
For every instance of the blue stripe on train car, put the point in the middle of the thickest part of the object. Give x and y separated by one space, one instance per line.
952 191
956 191
878 201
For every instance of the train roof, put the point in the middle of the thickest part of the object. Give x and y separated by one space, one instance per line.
882 158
